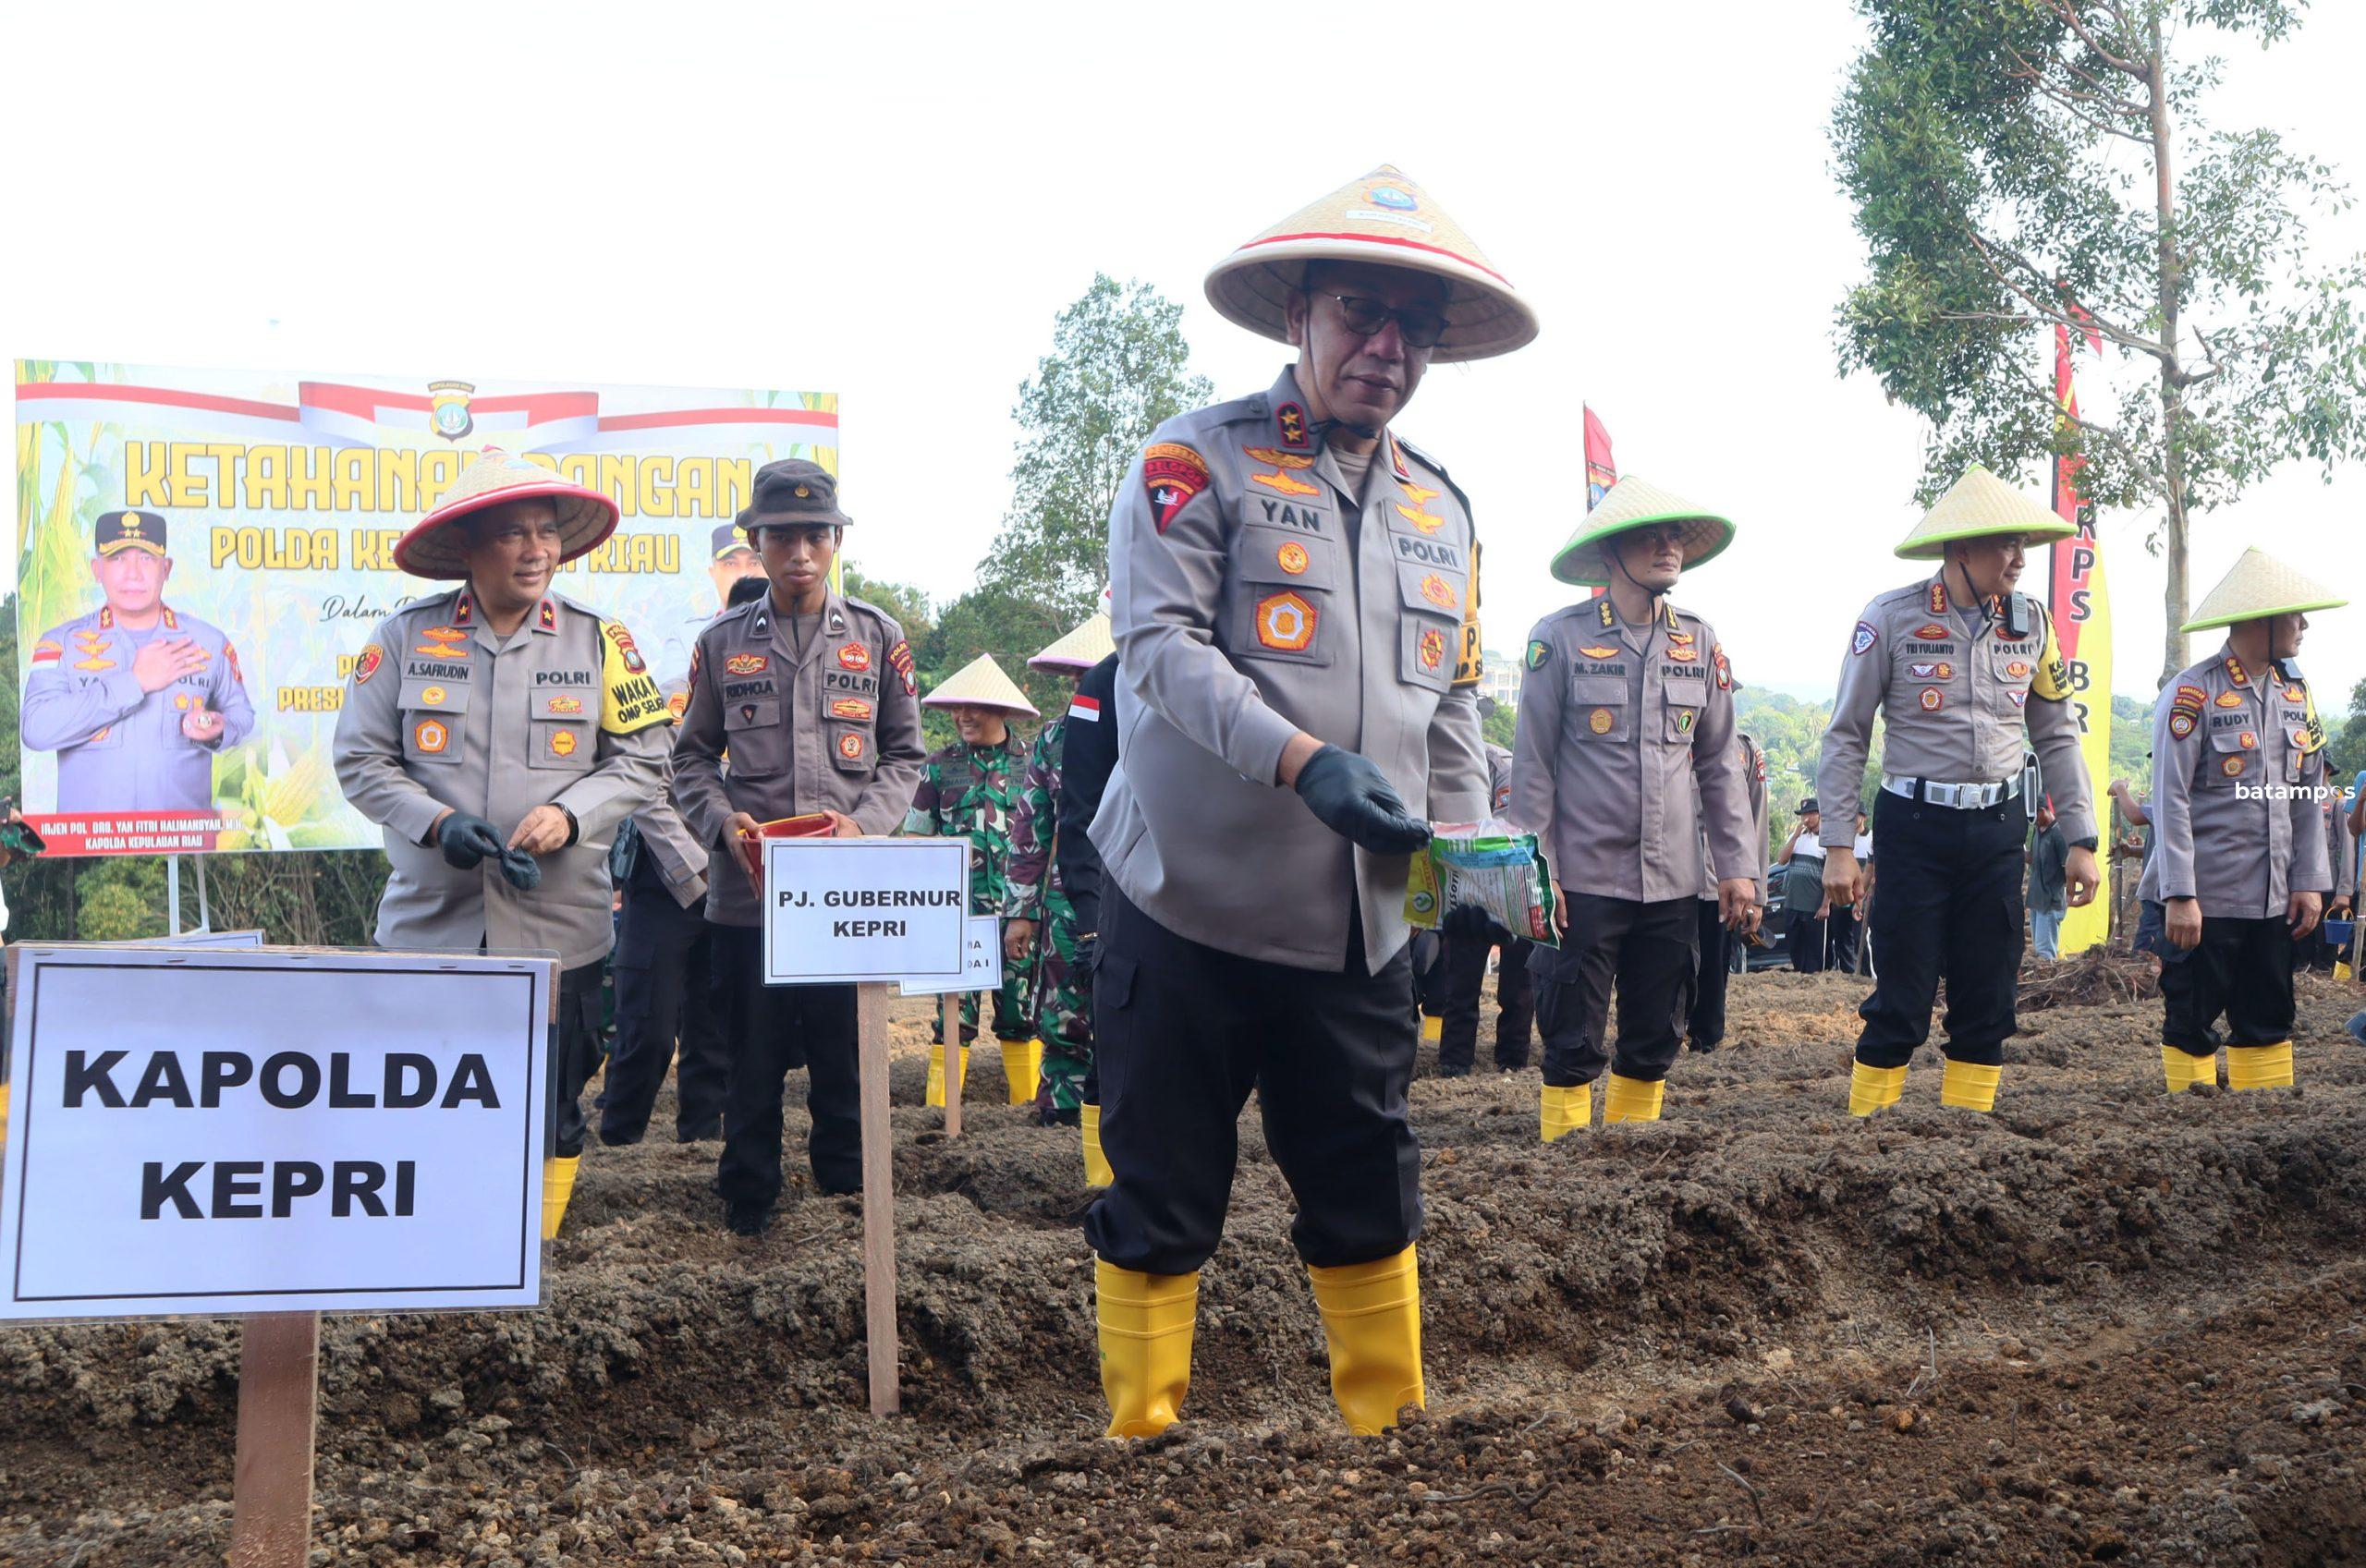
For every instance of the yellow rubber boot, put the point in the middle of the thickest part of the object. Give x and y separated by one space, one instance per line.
1874 1089
1022 1065
1631 1100
1096 1164
2260 1066
2183 1069
558 1186
1433 1029
4 1115
1145 1346
936 1073
1967 1086
1567 1110
1371 1320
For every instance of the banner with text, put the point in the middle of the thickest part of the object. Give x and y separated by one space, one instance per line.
180 693
2080 604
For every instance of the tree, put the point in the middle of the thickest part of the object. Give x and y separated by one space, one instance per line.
2346 750
2015 167
1118 368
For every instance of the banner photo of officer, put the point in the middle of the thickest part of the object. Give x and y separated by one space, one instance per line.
201 554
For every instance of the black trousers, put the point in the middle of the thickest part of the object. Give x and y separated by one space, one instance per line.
1847 936
1464 967
1951 906
2242 968
664 989
1182 1033
574 1050
1647 953
1807 936
1706 1027
778 1027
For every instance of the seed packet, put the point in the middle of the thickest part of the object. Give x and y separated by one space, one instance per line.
1490 866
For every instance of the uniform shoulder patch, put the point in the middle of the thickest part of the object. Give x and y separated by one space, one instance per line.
1539 653
366 662
899 659
630 697
1172 474
1863 640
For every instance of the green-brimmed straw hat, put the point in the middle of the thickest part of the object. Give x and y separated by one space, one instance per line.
980 683
2261 586
1980 505
1633 504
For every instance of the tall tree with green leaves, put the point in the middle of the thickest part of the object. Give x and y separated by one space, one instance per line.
1118 367
2021 164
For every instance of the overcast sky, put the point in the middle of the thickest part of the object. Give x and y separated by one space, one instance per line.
893 202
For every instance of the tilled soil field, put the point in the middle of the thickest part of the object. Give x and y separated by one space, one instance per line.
2101 1324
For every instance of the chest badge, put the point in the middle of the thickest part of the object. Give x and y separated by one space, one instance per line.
569 706
1285 622
1291 558
1284 483
2248 741
1425 521
1596 651
748 663
2230 699
2232 767
1599 721
854 656
2019 670
434 695
1929 633
432 737
1418 495
1433 650
1932 700
1684 654
849 708
851 746
562 743
1438 591
1684 718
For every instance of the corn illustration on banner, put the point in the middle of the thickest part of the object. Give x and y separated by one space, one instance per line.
247 520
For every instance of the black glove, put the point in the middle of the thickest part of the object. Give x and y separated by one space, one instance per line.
1468 922
520 869
1087 953
1354 800
466 840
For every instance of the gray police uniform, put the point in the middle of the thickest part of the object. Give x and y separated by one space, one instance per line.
1705 1029
816 713
1624 761
2239 776
1242 943
443 713
1956 685
120 749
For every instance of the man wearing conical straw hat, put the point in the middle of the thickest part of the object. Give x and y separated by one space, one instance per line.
501 733
966 788
1036 901
2239 865
1295 592
1627 708
1962 668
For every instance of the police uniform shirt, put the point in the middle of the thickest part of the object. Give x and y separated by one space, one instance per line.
120 749
2341 844
444 712
2237 764
1955 690
1499 779
832 725
1753 763
1617 723
1254 596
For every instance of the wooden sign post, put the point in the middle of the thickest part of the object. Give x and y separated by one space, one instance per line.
948 1020
879 1196
270 1496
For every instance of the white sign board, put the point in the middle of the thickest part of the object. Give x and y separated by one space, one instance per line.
981 961
865 909
200 939
219 1132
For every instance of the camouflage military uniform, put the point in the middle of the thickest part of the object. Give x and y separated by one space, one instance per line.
967 789
1061 1006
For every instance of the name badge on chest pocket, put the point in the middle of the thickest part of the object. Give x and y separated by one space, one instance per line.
1597 711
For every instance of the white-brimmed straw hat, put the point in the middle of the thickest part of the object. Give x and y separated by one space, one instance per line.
1388 221
980 683
435 549
1980 505
1633 504
1080 648
2261 586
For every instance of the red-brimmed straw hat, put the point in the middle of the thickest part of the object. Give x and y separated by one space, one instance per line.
1388 221
434 549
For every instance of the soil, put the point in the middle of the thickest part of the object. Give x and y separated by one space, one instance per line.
2101 1324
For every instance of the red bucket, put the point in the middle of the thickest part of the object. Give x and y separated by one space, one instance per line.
751 845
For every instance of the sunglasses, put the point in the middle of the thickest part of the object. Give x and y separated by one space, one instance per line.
1418 328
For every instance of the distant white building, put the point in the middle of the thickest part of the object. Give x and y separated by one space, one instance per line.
1499 678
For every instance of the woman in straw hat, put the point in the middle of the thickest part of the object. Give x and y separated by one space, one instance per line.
1625 710
2238 866
1256 841
966 788
1962 668
501 733
1035 901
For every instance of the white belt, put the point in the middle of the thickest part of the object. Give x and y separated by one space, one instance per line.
1961 796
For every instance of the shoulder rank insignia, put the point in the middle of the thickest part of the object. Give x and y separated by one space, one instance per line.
1289 425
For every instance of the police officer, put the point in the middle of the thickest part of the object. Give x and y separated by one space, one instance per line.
1465 964
1958 666
1704 1028
731 560
2240 862
1088 760
811 693
1626 707
1036 896
136 698
1293 613
500 733
968 788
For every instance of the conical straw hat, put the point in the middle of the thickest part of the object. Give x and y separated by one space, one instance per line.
1386 219
2257 586
1980 505
980 683
1081 648
1632 504
433 549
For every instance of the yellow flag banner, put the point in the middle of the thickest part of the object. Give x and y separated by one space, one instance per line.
2082 607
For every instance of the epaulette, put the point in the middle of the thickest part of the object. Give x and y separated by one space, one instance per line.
1439 468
